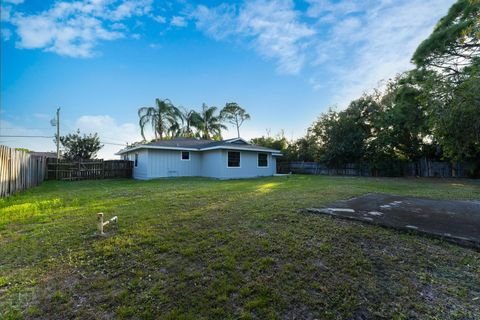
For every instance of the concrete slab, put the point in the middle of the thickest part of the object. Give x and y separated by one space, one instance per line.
454 220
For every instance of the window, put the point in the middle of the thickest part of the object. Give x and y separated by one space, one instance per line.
136 159
233 159
185 155
263 160
125 157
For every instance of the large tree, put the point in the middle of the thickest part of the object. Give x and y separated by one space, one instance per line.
235 115
164 119
449 64
78 147
399 129
279 142
454 43
303 149
454 114
211 125
341 138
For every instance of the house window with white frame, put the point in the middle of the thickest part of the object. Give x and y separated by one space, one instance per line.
185 155
262 160
233 159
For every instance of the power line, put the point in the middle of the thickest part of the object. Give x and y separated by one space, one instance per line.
13 136
49 137
22 128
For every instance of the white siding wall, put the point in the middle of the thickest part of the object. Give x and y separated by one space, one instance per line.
141 170
212 164
168 163
248 166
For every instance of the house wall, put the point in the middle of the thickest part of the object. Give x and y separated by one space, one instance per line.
212 164
248 166
141 170
167 163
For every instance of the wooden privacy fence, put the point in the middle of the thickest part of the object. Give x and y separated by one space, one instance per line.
88 169
19 170
421 168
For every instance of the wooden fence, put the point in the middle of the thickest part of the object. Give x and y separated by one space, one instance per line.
19 170
421 168
88 169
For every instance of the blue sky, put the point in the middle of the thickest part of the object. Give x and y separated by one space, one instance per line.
283 61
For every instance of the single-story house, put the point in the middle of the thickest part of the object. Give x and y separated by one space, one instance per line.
187 157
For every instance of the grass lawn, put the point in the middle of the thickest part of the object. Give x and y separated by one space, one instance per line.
205 249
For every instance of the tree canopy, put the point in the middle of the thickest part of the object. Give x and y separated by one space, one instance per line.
78 147
235 115
454 42
168 121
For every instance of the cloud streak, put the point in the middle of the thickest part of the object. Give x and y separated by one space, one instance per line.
370 40
74 28
273 29
348 45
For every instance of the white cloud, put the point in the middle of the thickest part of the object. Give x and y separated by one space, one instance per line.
178 21
327 8
74 28
217 22
274 28
112 134
160 19
129 8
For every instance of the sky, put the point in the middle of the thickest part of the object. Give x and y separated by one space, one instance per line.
285 62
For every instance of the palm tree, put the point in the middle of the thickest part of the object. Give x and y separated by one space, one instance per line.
211 125
191 120
164 118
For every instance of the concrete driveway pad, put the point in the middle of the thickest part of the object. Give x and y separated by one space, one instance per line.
454 220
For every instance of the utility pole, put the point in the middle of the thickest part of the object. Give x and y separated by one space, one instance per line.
56 123
58 134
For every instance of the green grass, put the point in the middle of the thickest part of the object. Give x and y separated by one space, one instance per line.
205 249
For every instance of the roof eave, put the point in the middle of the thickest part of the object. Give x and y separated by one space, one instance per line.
229 147
233 147
155 147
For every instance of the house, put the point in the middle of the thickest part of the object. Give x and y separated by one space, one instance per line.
186 157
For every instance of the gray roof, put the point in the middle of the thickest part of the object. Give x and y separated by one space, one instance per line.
183 143
199 144
43 154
